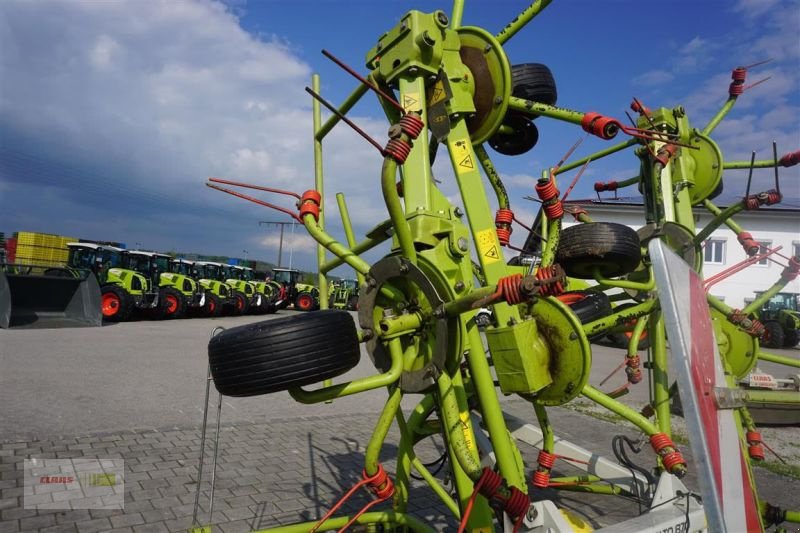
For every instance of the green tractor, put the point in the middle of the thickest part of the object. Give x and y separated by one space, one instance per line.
268 290
304 297
781 320
211 302
226 298
123 289
176 292
344 294
255 301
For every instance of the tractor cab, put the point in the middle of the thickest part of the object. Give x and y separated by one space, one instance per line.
95 257
148 264
286 276
183 267
344 294
781 320
253 298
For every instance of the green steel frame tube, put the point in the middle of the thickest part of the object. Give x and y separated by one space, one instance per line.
764 297
405 451
583 484
322 280
792 516
326 240
614 319
621 409
465 452
457 14
658 348
741 165
356 250
624 283
552 235
395 208
350 101
494 177
492 412
636 336
716 211
348 231
718 220
536 108
780 359
548 436
719 305
467 302
772 396
358 385
522 19
382 427
599 155
377 517
716 119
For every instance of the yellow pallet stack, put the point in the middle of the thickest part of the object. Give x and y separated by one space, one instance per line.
42 249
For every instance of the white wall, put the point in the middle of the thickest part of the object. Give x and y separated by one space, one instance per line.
782 228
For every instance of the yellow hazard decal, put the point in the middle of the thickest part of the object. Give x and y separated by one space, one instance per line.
437 93
465 429
462 154
488 247
411 102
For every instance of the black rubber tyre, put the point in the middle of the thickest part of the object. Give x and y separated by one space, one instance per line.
521 140
173 303
621 339
611 249
352 303
790 338
241 305
213 305
587 305
534 81
773 335
116 304
278 354
304 302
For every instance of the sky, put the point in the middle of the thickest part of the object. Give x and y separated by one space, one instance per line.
113 113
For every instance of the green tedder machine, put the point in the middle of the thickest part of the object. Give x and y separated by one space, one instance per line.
781 320
450 88
303 296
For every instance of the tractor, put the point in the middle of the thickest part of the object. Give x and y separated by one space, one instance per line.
254 302
781 320
212 277
304 297
176 291
212 301
344 294
269 291
123 288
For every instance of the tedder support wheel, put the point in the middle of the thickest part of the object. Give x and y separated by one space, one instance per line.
533 81
115 303
213 307
773 335
282 353
240 303
304 302
173 302
790 338
606 248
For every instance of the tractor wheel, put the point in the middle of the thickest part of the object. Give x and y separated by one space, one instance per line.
588 306
790 338
240 303
304 302
608 248
275 355
173 302
115 303
534 81
352 303
622 339
773 335
213 306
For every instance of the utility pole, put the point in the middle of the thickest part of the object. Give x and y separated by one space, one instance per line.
280 244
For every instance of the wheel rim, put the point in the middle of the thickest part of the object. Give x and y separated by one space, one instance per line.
239 303
211 306
305 303
110 304
172 304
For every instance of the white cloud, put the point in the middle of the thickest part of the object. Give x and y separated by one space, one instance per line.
654 77
753 8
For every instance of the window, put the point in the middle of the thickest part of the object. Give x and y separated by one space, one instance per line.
714 251
796 248
762 250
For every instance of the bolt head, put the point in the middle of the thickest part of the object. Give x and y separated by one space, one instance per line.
458 212
463 245
459 286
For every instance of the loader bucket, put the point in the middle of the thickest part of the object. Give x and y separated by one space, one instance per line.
31 298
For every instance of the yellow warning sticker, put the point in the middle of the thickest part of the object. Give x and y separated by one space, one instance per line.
488 247
437 93
411 102
467 431
462 154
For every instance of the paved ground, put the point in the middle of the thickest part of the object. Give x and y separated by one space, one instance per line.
135 391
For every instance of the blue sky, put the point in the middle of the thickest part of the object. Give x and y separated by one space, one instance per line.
112 114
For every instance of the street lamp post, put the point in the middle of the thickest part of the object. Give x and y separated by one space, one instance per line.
280 243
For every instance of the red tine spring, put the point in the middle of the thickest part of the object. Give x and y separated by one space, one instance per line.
554 287
511 287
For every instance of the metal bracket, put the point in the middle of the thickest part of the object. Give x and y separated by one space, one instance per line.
727 398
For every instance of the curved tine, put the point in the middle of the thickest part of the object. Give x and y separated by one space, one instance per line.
257 187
